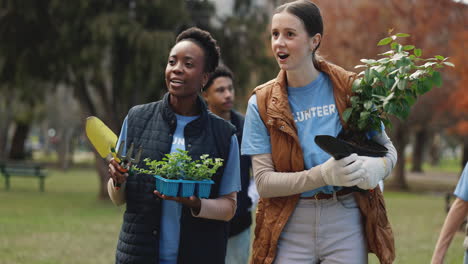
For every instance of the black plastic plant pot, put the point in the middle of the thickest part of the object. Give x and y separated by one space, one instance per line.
339 148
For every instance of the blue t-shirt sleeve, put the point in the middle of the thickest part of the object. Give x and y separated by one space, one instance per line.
462 187
230 182
256 139
122 137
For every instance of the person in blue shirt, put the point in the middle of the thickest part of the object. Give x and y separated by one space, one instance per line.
307 213
455 217
161 229
219 94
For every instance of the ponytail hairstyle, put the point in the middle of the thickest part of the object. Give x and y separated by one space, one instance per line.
309 14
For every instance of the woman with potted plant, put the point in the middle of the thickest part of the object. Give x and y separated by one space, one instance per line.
307 212
162 229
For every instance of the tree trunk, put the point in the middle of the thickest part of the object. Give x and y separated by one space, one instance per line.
4 128
103 175
88 108
434 152
401 140
6 115
63 151
17 151
418 150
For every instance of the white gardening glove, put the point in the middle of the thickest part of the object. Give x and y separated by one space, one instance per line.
375 170
344 172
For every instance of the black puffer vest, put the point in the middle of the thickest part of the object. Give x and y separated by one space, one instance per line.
201 240
243 218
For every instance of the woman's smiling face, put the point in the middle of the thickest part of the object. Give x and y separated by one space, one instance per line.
290 42
185 74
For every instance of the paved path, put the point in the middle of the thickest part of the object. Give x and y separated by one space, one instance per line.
435 176
430 181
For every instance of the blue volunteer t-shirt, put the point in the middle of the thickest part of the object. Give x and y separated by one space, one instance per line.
172 210
314 110
462 187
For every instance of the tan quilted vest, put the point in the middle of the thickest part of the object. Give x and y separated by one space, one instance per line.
272 100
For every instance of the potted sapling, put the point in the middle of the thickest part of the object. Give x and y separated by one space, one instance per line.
387 86
201 172
179 176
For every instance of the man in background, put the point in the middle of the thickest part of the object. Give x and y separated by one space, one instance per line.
219 95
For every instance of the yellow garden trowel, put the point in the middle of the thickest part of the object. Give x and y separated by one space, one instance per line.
104 141
102 138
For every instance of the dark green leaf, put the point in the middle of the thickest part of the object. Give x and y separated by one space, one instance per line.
422 88
368 76
362 124
437 79
354 100
428 84
404 109
384 41
379 90
387 123
377 73
347 114
392 108
389 83
394 46
364 115
410 99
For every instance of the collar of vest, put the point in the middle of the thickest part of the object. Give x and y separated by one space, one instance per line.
341 79
237 120
170 117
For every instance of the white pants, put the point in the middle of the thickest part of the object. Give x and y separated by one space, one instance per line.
325 232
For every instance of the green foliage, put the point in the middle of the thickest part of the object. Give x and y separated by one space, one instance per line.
244 33
179 165
391 85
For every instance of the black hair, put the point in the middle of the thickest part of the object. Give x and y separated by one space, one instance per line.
205 41
220 71
309 14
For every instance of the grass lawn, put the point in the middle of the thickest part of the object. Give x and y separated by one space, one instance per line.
67 224
416 220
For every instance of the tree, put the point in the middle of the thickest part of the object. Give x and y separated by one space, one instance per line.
348 37
25 30
244 39
114 54
457 102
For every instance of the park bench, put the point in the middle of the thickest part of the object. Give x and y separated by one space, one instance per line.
24 170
